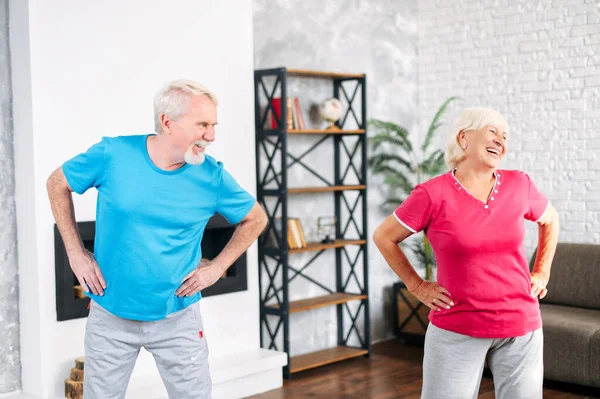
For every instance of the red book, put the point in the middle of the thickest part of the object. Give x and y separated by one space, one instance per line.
275 109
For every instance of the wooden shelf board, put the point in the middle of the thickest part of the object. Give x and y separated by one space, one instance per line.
322 74
317 131
318 246
300 190
321 301
321 358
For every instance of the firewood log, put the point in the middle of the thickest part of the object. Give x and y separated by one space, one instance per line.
73 389
79 362
76 375
78 292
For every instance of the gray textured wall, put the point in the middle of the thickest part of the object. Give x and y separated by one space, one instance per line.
377 37
10 367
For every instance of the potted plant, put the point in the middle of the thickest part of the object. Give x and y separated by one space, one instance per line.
403 168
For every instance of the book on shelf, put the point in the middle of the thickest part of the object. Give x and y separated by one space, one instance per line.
298 113
301 233
290 113
292 107
295 119
295 226
275 112
295 234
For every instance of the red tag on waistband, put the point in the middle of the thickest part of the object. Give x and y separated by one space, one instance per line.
201 334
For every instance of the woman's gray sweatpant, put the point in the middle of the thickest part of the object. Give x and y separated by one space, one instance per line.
177 343
453 365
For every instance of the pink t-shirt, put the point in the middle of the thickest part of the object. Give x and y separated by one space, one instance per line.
479 251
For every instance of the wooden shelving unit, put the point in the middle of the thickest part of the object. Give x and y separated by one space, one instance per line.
320 301
324 75
318 246
317 131
274 149
324 357
300 190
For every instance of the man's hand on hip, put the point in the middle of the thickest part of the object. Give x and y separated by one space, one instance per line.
87 271
206 274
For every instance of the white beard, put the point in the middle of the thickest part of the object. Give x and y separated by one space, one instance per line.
192 158
195 159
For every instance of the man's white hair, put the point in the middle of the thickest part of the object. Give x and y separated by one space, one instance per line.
470 119
172 100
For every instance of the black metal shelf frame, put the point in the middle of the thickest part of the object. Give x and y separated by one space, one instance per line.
272 194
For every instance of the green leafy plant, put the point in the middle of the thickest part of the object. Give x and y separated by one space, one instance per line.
403 168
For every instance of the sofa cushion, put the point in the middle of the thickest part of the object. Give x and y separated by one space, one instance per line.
571 344
575 276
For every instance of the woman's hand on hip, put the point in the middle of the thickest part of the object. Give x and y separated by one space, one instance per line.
538 285
433 295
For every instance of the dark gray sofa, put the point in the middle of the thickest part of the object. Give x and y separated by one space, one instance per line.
571 316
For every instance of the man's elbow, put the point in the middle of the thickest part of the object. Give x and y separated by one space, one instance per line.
57 182
263 219
51 182
257 218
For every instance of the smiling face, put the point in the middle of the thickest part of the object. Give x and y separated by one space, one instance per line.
193 131
485 147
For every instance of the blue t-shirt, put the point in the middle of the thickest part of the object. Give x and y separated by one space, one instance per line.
150 222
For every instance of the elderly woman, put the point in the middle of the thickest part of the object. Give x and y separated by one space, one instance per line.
485 302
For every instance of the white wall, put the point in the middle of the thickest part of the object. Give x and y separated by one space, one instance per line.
82 70
537 62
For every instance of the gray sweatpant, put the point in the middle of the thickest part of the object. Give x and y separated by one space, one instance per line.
453 365
177 343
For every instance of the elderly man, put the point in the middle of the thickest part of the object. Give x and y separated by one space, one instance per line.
156 194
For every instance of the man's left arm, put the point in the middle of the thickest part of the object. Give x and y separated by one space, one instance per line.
207 273
548 228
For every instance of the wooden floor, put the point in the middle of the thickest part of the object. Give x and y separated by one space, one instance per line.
394 371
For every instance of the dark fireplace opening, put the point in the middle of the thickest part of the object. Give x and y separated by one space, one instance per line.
217 234
72 303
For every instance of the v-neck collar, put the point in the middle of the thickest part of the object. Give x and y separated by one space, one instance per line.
491 197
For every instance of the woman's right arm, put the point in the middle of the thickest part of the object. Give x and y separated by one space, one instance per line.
387 236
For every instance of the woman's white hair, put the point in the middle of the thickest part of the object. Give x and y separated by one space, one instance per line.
470 119
173 98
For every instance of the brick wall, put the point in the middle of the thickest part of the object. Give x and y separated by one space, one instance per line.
537 62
